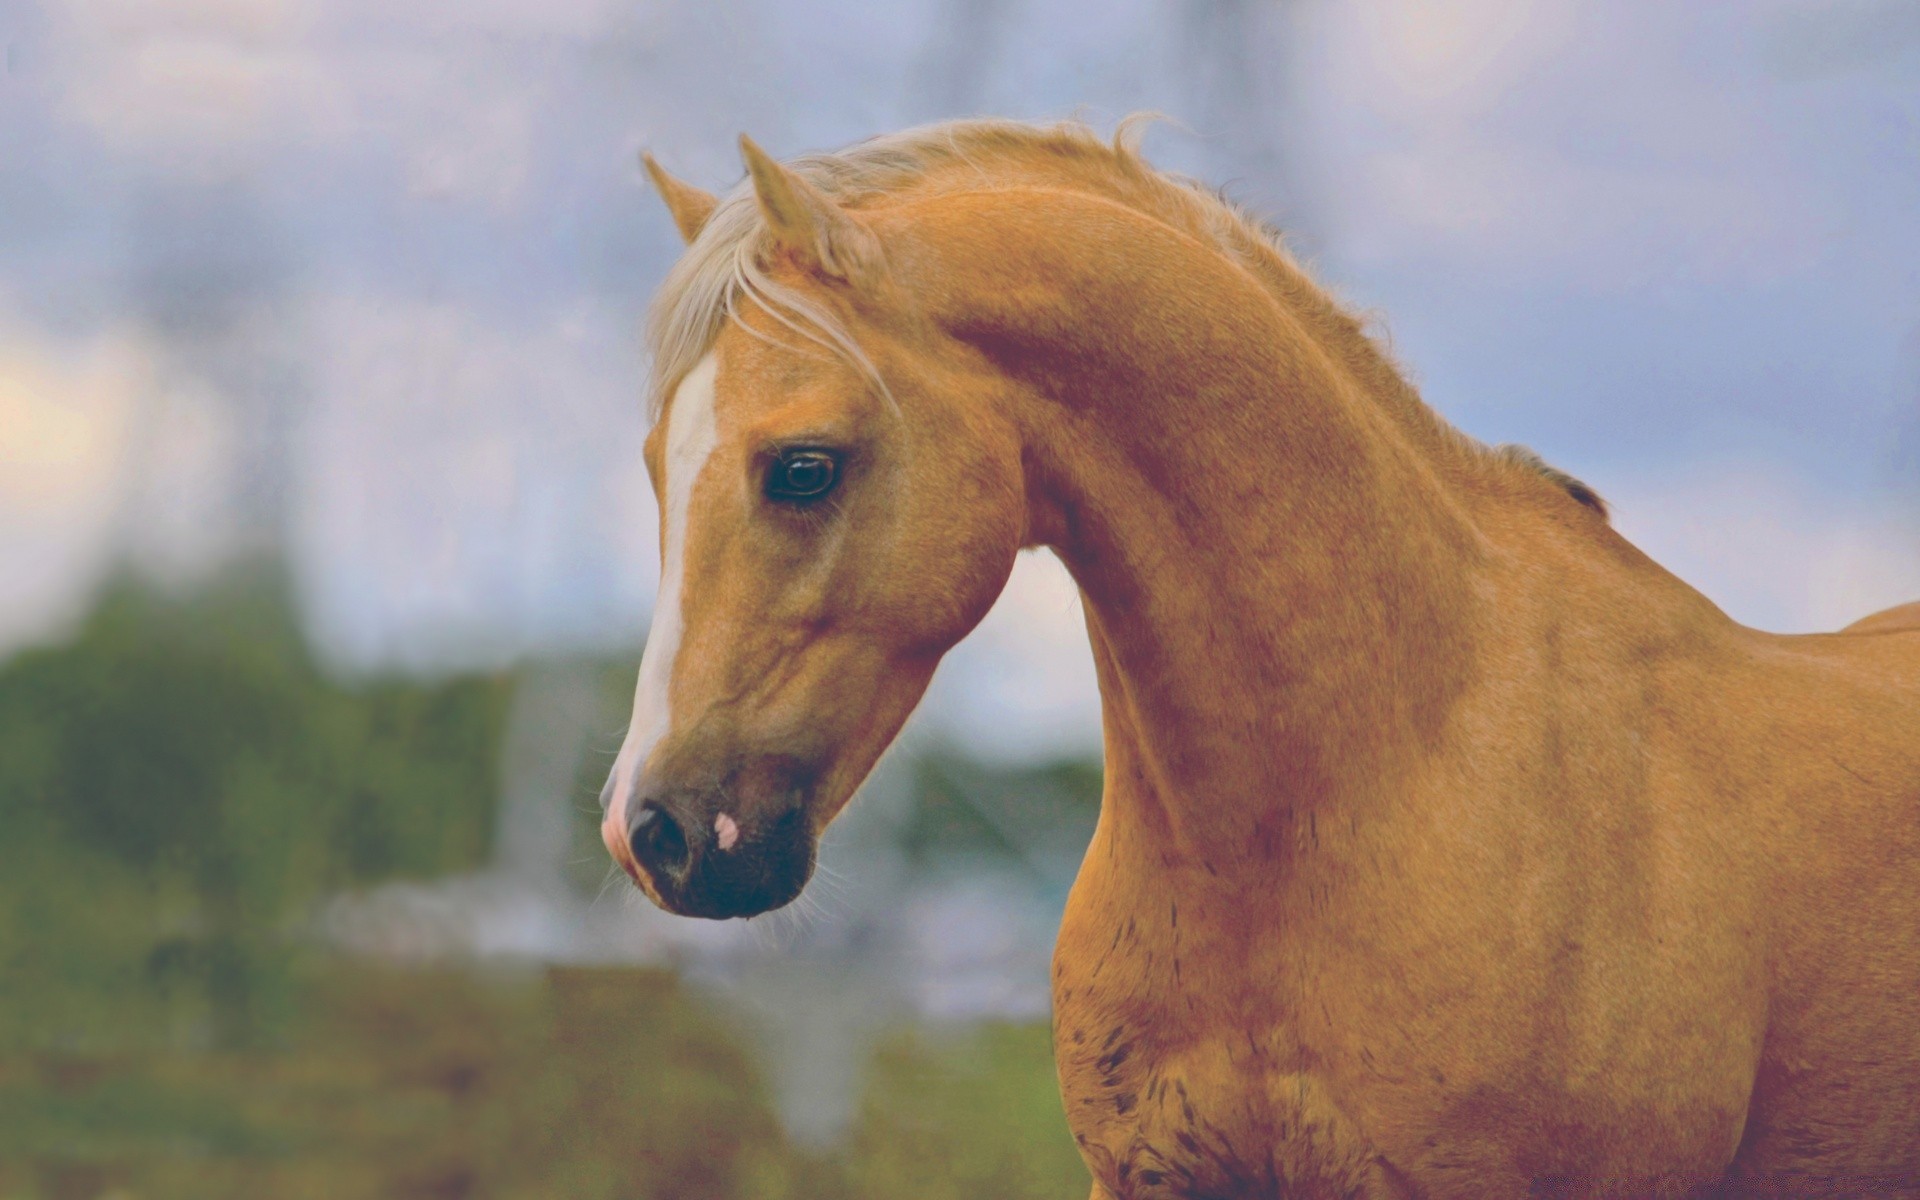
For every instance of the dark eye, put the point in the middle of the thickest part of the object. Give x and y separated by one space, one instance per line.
802 475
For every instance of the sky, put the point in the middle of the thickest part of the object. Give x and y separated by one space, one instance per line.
363 281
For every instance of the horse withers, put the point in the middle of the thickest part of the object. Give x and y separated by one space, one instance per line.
1449 846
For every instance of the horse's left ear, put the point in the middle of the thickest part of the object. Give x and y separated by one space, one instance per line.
807 224
689 205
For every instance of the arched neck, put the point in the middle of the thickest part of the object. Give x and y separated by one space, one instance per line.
1278 575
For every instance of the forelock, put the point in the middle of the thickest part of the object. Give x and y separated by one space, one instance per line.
724 269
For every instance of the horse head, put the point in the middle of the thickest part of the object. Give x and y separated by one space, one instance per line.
825 538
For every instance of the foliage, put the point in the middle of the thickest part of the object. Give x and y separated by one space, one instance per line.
179 782
594 1084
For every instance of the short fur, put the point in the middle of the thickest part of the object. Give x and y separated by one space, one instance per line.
1450 847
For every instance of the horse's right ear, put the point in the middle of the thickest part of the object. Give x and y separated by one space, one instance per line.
806 223
689 205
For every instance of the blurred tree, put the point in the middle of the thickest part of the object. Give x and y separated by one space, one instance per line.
179 783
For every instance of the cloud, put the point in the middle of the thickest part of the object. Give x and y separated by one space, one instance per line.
449 192
1770 548
1840 36
453 92
471 487
156 77
183 479
66 412
1021 687
1599 145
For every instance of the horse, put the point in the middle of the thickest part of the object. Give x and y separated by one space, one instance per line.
1449 846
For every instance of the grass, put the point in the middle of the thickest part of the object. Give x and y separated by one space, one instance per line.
585 1083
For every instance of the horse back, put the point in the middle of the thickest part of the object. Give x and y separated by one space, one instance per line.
1902 617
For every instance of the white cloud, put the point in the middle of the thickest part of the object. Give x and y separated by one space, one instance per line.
481 153
1021 686
1769 548
450 90
65 415
182 480
156 77
1447 61
459 476
1548 137
564 19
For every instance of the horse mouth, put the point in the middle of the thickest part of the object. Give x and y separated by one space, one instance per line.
728 877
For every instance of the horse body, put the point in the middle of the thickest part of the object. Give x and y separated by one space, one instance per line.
1643 921
1449 846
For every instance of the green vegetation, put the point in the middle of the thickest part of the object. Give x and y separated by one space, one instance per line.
179 784
588 1084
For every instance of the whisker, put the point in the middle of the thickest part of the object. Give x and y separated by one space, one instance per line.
613 872
827 893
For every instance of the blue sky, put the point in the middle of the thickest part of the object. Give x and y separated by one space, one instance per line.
364 279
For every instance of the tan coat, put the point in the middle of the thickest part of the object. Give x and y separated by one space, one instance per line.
1450 846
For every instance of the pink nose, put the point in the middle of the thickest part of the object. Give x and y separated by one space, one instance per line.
613 824
614 834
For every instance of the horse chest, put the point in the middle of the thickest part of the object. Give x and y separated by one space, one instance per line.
1204 1119
1196 1062
1174 1089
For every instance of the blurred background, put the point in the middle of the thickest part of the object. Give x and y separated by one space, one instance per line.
326 551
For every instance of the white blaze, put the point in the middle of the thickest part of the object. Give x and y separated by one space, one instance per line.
691 435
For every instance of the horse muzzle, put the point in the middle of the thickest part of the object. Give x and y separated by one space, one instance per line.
698 854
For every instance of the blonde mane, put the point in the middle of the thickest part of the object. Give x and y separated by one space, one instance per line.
723 268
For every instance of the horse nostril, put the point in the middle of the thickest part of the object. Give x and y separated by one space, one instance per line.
658 842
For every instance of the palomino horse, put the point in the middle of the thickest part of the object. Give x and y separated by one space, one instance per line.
1450 846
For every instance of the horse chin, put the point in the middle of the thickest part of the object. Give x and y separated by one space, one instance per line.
727 906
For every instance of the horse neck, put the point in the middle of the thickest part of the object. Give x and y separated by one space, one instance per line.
1276 570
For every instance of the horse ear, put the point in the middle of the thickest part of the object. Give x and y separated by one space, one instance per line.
806 223
689 205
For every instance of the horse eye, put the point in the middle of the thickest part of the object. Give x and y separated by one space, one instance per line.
802 475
